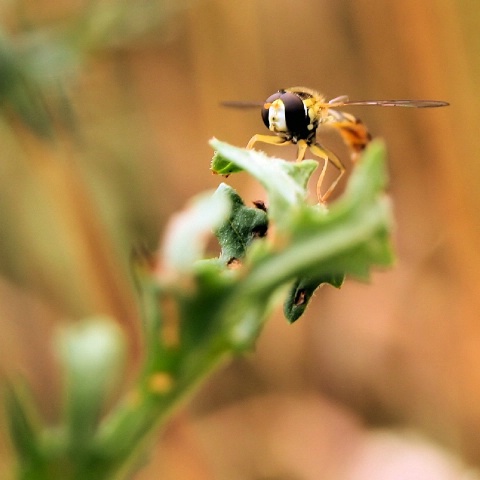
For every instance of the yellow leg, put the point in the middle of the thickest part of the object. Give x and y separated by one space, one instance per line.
327 155
316 149
270 139
302 147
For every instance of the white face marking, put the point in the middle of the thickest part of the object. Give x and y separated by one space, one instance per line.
276 117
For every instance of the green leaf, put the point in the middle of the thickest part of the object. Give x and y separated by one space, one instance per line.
20 91
189 231
221 166
92 354
302 291
370 179
350 238
285 182
359 223
25 430
243 226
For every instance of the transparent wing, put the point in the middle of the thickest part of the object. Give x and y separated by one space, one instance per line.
388 103
241 104
343 101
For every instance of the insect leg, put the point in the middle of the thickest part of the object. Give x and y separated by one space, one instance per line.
353 131
270 139
327 155
302 147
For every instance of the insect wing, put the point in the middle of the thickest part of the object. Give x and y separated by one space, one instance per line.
343 101
395 103
241 104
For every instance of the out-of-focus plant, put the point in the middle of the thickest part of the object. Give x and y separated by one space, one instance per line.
200 311
197 309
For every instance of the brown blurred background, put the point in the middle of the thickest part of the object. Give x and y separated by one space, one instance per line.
376 381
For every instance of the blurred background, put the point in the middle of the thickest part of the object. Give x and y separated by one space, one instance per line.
376 381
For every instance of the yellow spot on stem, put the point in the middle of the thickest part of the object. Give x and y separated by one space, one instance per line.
170 330
160 382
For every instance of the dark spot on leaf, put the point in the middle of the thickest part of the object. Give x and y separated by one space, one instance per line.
260 231
260 204
234 263
300 297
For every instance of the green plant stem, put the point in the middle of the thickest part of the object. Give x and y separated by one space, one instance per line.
134 424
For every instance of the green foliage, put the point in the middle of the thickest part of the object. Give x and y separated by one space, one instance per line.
244 225
284 181
302 291
318 245
198 311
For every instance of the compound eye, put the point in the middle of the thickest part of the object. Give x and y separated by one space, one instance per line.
265 111
295 113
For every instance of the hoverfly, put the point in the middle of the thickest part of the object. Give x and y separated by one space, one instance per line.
294 114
